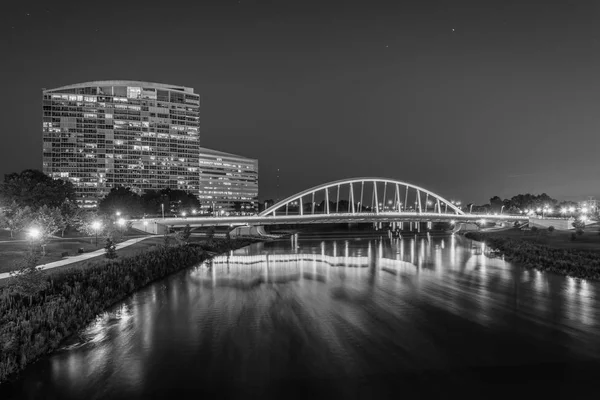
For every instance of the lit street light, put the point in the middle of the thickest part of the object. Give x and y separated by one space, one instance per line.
183 214
118 213
96 225
34 233
121 222
145 226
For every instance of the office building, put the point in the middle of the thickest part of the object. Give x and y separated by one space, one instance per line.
228 182
142 135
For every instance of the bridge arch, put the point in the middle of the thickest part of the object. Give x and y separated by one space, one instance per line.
399 203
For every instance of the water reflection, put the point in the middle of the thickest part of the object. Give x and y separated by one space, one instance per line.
326 313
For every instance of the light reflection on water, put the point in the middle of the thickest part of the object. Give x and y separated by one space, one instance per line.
330 312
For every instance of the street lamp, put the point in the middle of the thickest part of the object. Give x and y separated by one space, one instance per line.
162 207
96 225
118 213
34 233
183 214
501 208
145 226
194 211
121 222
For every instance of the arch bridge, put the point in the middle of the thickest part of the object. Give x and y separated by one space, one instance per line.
348 200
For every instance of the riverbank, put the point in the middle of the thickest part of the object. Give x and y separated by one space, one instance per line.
34 323
570 262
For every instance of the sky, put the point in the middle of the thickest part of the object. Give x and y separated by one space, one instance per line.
469 99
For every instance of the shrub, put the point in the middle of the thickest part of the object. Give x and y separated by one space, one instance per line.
579 231
110 249
550 229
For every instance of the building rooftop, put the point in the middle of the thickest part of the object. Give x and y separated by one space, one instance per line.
124 83
212 152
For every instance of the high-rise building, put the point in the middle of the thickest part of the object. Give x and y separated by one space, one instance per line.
141 135
228 182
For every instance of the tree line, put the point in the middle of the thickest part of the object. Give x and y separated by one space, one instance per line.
519 203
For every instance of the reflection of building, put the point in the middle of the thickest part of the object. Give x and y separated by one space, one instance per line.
138 134
228 182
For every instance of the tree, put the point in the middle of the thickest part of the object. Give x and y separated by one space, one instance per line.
496 204
33 188
180 200
86 223
184 235
15 218
28 279
151 201
110 249
578 224
120 199
47 220
70 214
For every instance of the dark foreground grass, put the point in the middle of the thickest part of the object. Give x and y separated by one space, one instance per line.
31 326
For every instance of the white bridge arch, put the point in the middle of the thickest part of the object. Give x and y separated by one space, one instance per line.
400 192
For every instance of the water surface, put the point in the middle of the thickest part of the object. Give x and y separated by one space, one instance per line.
345 318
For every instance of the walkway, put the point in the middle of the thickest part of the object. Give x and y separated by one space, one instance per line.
81 257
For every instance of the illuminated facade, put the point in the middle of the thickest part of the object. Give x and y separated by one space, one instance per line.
228 182
141 135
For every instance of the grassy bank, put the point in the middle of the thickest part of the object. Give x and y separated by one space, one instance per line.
33 325
575 263
589 241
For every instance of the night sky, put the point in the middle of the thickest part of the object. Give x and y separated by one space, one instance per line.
467 99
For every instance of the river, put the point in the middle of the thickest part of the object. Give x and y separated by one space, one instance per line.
336 318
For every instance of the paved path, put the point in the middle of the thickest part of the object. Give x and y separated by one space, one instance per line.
81 257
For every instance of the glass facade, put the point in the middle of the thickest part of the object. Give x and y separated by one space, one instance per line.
141 135
227 179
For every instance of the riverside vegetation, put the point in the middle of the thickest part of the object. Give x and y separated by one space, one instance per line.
575 263
34 324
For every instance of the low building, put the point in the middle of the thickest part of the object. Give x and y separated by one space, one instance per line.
228 183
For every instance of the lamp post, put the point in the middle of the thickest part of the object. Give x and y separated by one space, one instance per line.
145 226
34 233
162 206
501 208
471 209
96 225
